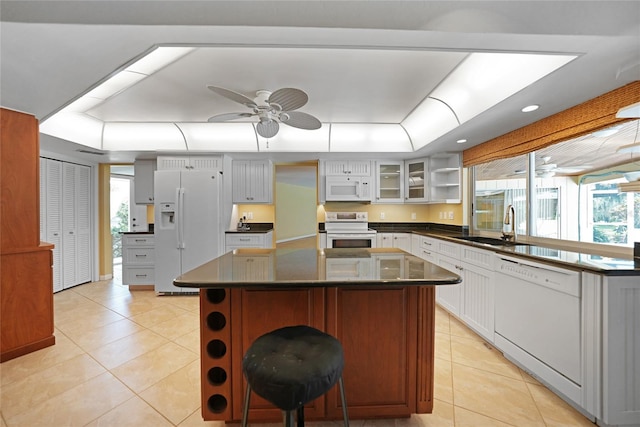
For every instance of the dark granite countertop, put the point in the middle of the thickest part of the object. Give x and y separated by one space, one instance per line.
610 266
286 268
255 227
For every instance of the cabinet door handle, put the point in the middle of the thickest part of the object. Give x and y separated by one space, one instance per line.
244 240
140 256
141 275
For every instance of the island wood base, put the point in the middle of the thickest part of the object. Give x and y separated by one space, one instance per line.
387 334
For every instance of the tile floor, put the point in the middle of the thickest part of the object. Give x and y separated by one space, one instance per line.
131 359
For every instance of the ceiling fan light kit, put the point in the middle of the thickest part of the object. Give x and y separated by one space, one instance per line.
271 108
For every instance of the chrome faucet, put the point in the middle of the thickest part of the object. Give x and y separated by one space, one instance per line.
509 219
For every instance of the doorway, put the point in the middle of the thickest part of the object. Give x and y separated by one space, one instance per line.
296 199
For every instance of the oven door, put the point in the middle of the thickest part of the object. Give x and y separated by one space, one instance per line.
351 240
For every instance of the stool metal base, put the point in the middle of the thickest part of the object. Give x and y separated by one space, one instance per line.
287 416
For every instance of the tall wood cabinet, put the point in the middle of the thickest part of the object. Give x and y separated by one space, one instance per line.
26 297
65 213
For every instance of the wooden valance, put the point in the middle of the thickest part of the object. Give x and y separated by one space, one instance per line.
588 117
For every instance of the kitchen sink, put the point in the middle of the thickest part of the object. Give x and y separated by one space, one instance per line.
490 241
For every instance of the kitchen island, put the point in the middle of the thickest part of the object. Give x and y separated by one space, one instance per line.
380 303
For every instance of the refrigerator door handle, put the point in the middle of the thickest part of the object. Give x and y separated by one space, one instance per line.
181 217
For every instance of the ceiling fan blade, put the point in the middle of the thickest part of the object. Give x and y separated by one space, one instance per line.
228 116
234 96
300 120
267 128
288 98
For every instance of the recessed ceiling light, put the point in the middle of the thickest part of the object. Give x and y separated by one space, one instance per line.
530 108
461 141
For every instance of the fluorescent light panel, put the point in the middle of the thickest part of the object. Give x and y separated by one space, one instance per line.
75 127
290 139
142 137
367 138
428 122
157 59
219 136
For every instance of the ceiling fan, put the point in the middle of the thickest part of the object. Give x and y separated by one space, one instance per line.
548 170
271 108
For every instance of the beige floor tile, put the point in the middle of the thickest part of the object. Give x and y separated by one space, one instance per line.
2 422
127 348
443 345
78 406
555 411
177 326
190 341
495 396
442 321
149 368
22 395
38 361
133 413
89 338
86 320
135 303
460 330
82 308
101 291
480 355
442 415
195 420
528 378
158 315
68 300
443 380
465 418
186 302
178 395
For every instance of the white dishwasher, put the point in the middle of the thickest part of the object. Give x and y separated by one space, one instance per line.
537 309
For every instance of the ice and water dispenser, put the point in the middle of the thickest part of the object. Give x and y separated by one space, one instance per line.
167 216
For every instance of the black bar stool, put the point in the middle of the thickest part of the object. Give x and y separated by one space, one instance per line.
292 366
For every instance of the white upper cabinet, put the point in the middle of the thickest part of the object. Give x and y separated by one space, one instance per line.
189 162
389 182
416 180
348 167
446 178
143 181
252 181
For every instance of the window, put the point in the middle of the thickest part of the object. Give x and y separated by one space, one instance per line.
587 208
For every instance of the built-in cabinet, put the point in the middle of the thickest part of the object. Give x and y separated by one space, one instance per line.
246 240
143 183
416 180
445 178
189 162
138 259
65 214
389 182
394 240
347 167
26 297
252 181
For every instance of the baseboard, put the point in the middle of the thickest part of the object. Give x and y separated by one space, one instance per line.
106 277
28 348
142 287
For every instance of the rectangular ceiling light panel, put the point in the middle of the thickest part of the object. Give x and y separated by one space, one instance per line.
157 59
115 84
142 137
369 138
219 137
75 127
428 122
485 79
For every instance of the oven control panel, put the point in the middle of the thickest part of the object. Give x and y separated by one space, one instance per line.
346 217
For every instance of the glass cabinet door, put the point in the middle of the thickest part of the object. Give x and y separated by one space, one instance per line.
416 180
390 182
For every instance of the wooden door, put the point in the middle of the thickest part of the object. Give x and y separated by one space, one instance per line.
380 380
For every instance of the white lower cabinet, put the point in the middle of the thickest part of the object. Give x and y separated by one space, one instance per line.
138 259
478 285
246 240
394 240
449 296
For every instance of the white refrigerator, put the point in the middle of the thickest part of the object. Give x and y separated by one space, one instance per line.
188 230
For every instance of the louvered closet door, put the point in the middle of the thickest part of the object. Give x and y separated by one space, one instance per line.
54 218
69 228
43 199
83 224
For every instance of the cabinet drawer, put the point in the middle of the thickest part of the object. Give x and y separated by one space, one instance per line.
478 257
136 276
245 240
138 240
448 249
139 255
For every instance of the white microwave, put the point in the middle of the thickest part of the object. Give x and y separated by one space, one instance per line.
348 188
